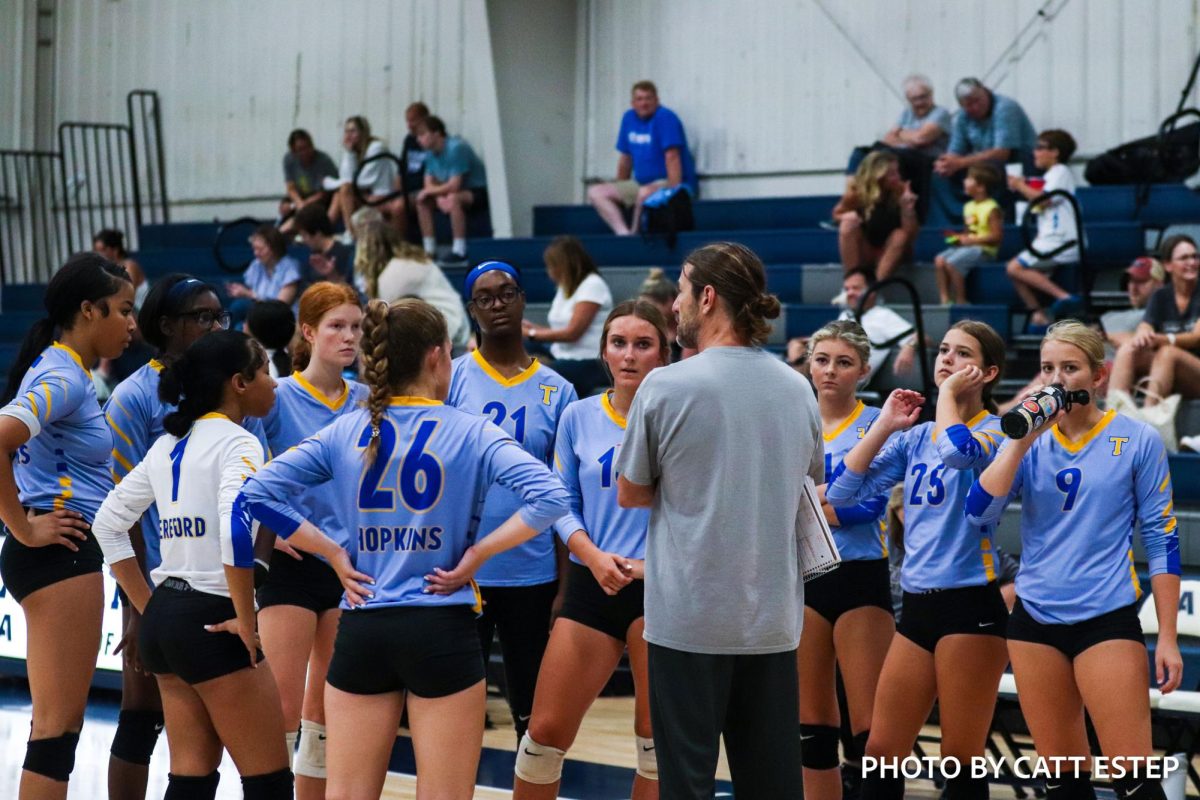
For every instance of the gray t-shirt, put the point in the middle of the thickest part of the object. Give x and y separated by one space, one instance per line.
911 122
728 436
308 179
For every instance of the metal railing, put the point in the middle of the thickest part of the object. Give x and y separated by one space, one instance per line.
52 203
914 297
1028 228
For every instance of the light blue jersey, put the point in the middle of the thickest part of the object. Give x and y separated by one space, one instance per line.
135 415
416 507
301 410
1079 503
585 457
862 536
66 462
527 407
942 549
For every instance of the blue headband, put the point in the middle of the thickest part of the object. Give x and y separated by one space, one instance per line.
185 287
488 266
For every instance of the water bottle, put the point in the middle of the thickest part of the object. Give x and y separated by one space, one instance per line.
1033 411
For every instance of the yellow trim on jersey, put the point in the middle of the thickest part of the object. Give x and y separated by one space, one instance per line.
214 415
122 460
49 399
883 537
117 429
66 494
78 359
320 397
1083 441
492 373
477 606
613 414
156 365
1137 585
410 400
558 463
33 402
1163 486
846 423
989 560
975 420
249 464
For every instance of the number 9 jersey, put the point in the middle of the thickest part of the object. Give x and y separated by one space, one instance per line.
416 506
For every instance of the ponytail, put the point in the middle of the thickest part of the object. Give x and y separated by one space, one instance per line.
85 278
375 369
196 381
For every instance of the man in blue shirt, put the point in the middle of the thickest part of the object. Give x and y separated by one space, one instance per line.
654 153
455 182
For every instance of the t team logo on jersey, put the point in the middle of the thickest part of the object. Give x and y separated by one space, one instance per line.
547 392
1118 443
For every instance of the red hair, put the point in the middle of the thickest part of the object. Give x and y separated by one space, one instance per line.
317 301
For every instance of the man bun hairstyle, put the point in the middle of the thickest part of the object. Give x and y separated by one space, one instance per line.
740 280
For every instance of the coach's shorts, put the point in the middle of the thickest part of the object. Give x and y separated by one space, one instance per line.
431 651
854 584
173 641
1072 639
24 570
586 603
926 617
309 583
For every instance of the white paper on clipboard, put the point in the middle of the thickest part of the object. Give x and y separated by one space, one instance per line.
815 547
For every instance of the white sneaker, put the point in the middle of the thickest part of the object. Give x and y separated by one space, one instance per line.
1191 443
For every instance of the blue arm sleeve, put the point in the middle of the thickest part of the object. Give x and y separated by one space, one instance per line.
984 509
545 498
566 466
1155 506
961 449
264 496
866 511
847 488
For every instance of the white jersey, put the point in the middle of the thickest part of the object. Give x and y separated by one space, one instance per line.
193 482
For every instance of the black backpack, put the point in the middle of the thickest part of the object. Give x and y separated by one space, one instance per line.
667 212
1170 157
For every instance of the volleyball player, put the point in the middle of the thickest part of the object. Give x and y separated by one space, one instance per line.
950 645
198 627
411 472
848 619
177 311
603 609
54 473
298 603
1077 644
526 399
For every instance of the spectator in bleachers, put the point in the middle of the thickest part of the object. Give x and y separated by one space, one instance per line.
391 269
272 275
1056 230
877 217
581 303
980 241
455 183
796 355
273 324
887 330
654 153
1169 332
329 259
661 291
1143 278
412 173
305 169
990 128
374 182
110 243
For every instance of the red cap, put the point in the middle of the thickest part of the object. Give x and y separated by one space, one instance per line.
1145 269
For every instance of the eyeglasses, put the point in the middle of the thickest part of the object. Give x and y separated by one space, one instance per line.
205 318
507 296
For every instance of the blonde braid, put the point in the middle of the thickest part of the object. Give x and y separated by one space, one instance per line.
375 369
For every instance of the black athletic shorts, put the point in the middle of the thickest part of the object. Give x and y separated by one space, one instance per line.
586 603
173 641
24 570
309 583
928 616
1072 639
854 584
431 651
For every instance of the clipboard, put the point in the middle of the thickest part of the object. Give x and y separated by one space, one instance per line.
815 548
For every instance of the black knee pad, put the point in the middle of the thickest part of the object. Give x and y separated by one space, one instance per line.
54 758
1138 789
192 787
876 787
137 733
858 746
966 788
1071 787
818 746
272 786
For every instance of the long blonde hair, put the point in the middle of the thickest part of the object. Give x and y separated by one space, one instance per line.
868 179
376 244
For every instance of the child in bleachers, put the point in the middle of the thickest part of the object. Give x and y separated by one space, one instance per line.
273 324
1057 240
980 240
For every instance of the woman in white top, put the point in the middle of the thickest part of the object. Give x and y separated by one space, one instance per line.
198 626
576 316
376 179
391 268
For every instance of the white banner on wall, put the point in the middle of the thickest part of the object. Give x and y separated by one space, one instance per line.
13 634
